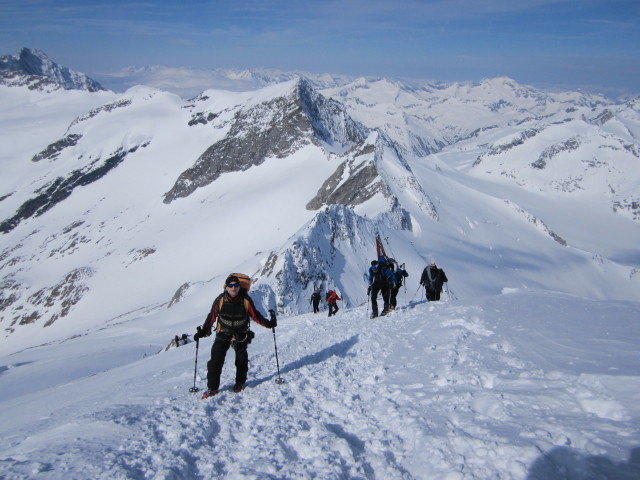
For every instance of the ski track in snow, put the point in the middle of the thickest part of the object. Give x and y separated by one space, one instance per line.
430 391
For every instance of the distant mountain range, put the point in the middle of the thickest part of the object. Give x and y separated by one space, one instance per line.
113 205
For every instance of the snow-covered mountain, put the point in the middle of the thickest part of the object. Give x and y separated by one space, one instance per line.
122 213
35 69
290 182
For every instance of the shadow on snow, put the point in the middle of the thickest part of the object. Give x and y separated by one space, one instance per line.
339 349
568 464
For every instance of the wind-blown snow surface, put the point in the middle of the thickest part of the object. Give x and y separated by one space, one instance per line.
522 385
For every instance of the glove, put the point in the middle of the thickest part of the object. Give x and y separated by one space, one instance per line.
198 334
274 321
369 290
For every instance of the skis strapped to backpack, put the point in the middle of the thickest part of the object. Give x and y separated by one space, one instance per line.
379 247
383 260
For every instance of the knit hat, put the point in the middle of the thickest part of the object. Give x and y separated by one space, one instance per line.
231 279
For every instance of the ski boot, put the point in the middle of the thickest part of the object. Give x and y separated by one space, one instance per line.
209 393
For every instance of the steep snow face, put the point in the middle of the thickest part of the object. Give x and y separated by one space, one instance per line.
36 63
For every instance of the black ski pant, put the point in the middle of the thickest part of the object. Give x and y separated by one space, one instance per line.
333 308
218 354
393 300
316 306
375 289
433 295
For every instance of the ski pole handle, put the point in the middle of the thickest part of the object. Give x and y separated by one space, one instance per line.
273 318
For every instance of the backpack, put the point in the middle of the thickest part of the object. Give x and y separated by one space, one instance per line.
330 294
393 265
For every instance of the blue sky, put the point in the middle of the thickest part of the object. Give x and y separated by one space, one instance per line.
569 44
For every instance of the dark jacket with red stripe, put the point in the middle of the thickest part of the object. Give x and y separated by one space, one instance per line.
234 314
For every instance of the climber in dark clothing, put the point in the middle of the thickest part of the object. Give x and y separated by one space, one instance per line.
433 278
315 300
232 309
378 283
398 278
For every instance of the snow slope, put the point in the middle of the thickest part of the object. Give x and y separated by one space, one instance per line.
522 385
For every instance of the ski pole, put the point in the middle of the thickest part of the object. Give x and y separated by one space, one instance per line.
366 279
414 295
279 380
368 298
452 296
404 283
386 239
195 369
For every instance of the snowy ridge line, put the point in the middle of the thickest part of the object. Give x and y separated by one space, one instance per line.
539 224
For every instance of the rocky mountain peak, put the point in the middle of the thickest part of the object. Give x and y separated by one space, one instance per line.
30 62
274 127
329 119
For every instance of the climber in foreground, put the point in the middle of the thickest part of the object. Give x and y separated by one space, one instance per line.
232 310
